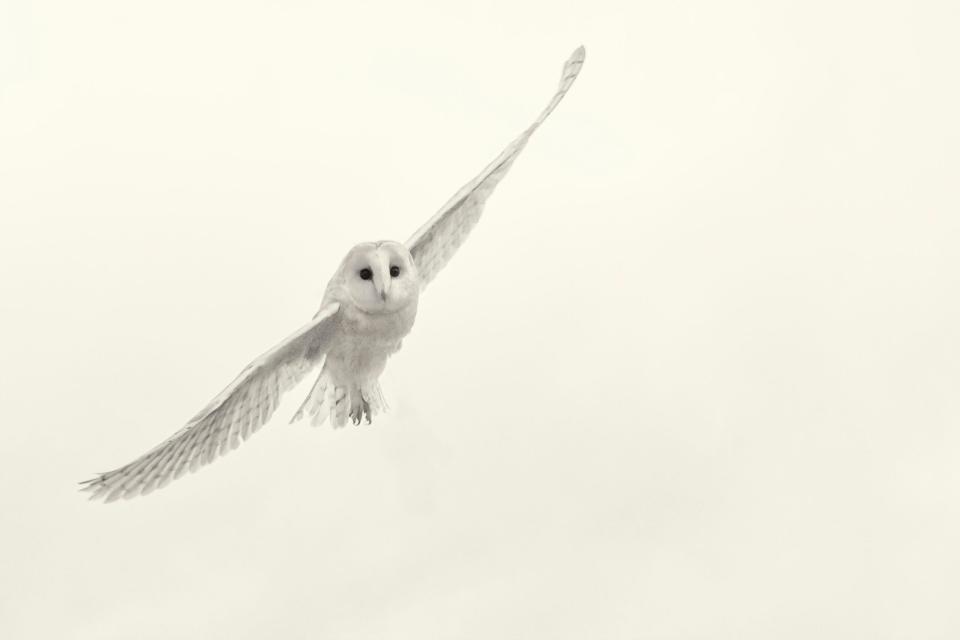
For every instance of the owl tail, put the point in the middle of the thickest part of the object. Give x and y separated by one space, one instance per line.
340 402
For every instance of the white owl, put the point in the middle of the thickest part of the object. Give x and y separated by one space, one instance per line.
367 309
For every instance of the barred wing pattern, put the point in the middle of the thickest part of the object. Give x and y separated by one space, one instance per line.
237 412
434 243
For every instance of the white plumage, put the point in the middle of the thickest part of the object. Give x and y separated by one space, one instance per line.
369 306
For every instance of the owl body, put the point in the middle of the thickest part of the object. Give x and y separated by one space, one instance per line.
365 341
348 387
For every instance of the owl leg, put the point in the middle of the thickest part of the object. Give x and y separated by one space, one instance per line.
372 400
359 407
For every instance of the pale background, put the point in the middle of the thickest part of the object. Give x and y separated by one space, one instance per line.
695 375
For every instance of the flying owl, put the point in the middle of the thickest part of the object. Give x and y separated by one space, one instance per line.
368 307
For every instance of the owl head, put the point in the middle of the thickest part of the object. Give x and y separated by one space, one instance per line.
379 277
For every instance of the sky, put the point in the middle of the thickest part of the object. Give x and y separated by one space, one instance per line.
694 375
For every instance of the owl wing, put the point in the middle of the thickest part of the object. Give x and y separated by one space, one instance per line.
237 412
434 243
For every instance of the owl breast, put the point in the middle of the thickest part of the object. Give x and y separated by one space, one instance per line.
365 341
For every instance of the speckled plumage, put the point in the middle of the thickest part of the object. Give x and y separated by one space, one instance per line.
368 308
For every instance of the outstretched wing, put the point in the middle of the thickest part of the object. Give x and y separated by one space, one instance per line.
237 412
434 243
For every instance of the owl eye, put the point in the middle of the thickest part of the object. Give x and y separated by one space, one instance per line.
394 272
365 274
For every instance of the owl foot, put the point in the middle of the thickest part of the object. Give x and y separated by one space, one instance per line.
360 411
358 403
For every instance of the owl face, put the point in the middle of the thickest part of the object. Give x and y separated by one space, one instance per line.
380 277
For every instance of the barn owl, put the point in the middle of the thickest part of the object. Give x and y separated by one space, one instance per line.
368 307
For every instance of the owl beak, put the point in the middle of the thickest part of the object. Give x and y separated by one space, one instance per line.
382 282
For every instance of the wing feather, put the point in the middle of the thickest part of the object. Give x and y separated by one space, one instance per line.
237 411
435 242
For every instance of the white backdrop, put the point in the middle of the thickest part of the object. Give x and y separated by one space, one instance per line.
695 374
